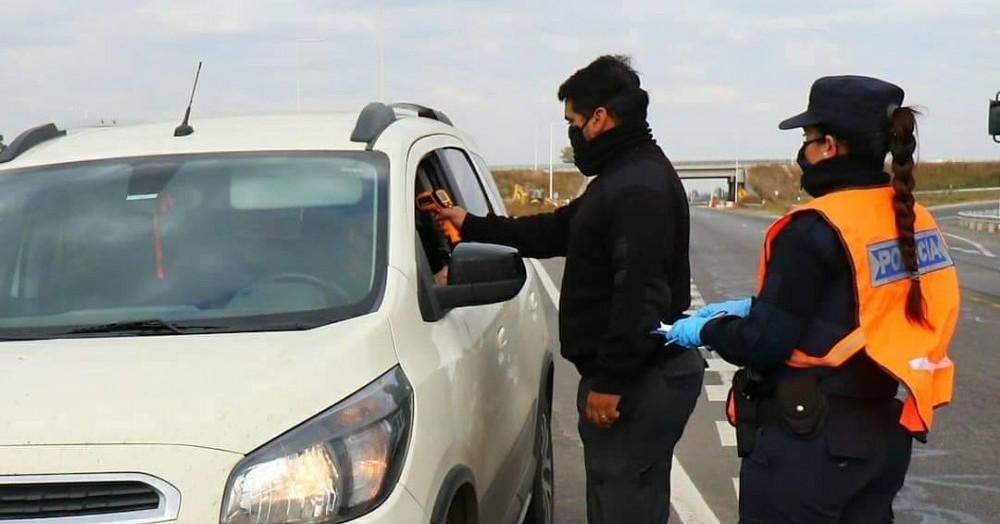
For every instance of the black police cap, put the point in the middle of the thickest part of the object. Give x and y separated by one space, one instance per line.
853 104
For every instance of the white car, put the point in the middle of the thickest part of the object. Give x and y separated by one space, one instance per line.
243 325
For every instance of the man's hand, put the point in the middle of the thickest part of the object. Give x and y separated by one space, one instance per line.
455 215
602 409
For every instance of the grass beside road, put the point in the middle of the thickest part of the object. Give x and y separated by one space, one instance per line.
772 209
778 184
940 199
565 185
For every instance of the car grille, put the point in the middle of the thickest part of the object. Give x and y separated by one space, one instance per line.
74 499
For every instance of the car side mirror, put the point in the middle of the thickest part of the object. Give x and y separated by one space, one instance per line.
480 274
995 118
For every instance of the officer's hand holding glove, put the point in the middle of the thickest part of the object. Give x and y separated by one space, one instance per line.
739 307
687 331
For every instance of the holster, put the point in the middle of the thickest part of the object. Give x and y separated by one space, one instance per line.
741 408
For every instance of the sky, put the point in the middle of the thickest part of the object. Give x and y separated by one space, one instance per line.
721 74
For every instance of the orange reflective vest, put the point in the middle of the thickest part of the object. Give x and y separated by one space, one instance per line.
915 355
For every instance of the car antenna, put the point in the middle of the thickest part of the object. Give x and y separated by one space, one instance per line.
185 129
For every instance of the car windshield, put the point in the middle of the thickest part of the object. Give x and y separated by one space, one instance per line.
191 244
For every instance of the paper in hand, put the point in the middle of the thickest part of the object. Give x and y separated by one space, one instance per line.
664 331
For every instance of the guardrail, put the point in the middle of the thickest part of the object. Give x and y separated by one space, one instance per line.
963 190
988 221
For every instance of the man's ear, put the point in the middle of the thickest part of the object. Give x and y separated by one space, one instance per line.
603 120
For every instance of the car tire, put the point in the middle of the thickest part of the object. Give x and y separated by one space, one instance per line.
542 507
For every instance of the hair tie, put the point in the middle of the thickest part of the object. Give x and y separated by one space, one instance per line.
891 110
915 276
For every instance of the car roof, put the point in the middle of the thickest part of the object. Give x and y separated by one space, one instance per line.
282 132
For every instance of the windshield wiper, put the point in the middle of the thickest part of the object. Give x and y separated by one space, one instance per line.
149 327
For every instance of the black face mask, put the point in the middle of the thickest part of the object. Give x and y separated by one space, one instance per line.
581 150
801 158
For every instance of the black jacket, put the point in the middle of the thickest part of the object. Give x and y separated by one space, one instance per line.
808 300
625 240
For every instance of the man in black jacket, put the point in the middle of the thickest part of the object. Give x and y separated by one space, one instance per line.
625 240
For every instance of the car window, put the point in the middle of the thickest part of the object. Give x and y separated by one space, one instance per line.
486 178
471 194
258 240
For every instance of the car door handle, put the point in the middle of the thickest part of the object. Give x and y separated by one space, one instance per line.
502 337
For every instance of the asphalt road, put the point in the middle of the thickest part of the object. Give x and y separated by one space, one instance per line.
954 479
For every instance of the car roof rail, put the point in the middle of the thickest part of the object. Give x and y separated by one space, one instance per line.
423 111
373 120
29 139
377 116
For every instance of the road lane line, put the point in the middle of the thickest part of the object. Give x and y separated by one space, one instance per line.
685 498
547 283
717 393
977 245
721 366
687 501
727 433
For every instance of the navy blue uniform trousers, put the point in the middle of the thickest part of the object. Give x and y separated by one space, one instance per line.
848 474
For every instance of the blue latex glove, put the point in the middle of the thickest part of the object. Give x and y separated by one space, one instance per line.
739 307
687 331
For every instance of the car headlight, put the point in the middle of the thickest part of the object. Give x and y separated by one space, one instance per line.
339 465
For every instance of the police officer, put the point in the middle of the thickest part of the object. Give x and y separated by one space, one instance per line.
625 240
857 296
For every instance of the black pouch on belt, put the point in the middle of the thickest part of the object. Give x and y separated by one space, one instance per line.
741 409
802 405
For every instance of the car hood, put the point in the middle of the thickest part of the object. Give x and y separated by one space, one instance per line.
231 392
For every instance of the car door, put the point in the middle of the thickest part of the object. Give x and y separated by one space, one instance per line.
508 331
478 385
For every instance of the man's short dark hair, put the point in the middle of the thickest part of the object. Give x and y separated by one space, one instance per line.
608 82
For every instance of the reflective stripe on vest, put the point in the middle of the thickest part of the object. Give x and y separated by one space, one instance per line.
915 355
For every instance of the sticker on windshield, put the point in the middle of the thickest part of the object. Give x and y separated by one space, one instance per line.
146 196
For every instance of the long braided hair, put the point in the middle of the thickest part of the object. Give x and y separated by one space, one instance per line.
900 140
902 144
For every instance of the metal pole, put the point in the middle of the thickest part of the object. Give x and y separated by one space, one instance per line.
381 51
535 143
550 160
298 80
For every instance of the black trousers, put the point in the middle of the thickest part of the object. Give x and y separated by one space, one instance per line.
848 474
628 465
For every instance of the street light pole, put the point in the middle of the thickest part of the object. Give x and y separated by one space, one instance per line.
535 144
551 125
298 81
298 74
381 50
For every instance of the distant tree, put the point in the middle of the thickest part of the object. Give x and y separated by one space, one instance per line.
566 155
2 145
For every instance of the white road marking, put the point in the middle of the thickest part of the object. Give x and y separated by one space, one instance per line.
547 283
982 249
717 364
727 433
687 501
717 393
